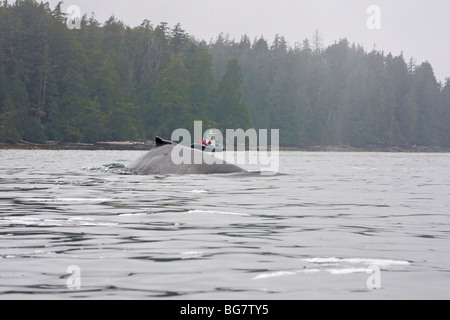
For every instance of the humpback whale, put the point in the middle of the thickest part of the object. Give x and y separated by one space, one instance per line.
159 161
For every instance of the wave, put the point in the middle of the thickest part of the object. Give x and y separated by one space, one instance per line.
274 275
220 212
349 271
68 200
363 261
341 266
38 222
191 255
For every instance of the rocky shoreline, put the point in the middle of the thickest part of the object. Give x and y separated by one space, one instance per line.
148 145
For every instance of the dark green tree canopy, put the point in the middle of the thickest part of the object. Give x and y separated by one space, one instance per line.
102 82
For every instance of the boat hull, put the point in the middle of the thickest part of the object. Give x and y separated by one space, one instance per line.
204 148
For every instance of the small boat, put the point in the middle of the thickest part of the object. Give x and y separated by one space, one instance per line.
212 143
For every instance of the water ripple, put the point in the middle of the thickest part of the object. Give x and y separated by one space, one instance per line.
313 231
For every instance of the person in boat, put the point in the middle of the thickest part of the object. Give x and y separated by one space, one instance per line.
203 143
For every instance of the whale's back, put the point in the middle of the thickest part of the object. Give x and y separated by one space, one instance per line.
159 161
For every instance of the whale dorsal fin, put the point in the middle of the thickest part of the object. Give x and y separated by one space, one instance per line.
161 142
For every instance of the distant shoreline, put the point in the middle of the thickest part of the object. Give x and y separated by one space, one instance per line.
145 146
126 145
409 149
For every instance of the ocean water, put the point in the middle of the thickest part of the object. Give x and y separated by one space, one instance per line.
75 224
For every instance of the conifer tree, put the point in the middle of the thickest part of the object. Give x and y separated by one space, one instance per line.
231 112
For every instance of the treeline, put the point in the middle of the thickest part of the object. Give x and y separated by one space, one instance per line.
338 95
106 82
113 82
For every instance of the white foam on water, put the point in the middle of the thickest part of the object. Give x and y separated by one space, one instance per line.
220 212
98 224
349 271
198 191
132 214
19 220
363 261
274 275
285 273
85 221
6 235
191 255
81 219
67 200
74 221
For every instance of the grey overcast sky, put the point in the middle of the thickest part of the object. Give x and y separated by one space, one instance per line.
419 28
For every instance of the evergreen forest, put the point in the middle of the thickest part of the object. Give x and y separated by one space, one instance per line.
112 82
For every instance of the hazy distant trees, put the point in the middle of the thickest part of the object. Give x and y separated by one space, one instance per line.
338 95
112 82
444 114
230 109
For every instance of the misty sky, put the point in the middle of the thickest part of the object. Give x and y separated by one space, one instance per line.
419 28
